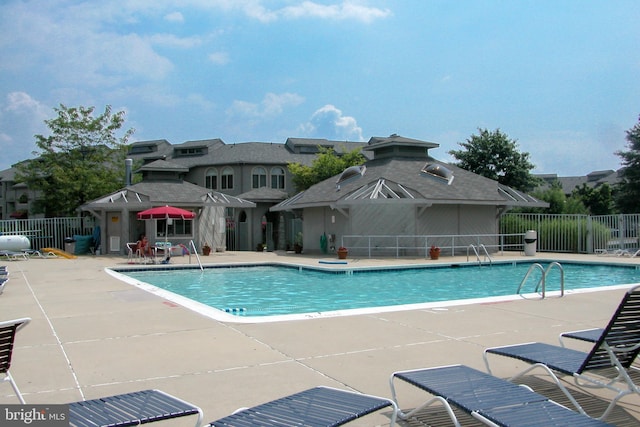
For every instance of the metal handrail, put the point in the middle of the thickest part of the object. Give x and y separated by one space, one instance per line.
554 264
526 276
486 253
543 279
475 251
195 251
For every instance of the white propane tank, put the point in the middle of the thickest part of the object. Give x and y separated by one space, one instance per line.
14 243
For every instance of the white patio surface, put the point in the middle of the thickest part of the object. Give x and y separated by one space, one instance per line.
92 335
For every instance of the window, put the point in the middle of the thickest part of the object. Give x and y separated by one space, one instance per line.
351 173
438 171
211 179
227 179
277 178
177 228
259 177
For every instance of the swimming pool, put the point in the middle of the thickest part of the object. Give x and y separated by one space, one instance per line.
275 291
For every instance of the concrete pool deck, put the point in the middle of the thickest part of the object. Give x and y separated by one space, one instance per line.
92 335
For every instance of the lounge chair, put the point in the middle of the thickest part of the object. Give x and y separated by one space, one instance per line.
488 399
632 253
3 282
14 256
590 336
319 406
130 409
8 330
617 347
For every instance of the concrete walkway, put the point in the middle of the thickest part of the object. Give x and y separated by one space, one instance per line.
93 335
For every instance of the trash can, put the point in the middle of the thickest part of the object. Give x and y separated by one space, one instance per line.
530 238
69 245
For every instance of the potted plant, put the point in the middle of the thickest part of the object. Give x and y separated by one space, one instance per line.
297 244
260 247
434 252
206 249
343 252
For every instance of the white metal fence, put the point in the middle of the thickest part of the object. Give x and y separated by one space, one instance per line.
555 233
373 246
576 233
47 232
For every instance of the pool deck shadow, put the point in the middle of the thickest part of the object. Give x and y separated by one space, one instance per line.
93 335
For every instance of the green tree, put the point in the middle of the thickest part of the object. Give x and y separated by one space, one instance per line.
326 164
81 159
493 155
554 195
598 200
628 189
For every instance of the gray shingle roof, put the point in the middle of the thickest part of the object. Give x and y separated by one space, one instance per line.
155 193
402 176
569 183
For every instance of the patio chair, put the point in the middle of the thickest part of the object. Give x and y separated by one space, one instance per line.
319 406
135 255
617 347
3 282
130 409
488 399
8 330
132 252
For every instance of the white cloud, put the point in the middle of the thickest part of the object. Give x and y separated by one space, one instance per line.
329 122
174 17
170 40
21 117
571 153
271 106
341 11
76 45
219 58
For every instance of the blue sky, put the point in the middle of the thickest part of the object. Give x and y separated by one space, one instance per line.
562 77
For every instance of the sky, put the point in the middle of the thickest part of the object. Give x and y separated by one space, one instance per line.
560 77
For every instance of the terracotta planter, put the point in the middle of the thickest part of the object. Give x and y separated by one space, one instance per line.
206 250
343 254
434 254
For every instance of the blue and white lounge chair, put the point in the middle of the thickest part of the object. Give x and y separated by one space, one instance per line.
130 409
617 347
317 407
8 330
488 399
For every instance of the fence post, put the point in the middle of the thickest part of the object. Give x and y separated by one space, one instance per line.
589 237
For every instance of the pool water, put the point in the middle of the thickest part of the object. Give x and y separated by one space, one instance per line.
276 290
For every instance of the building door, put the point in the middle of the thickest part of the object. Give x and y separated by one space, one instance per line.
242 232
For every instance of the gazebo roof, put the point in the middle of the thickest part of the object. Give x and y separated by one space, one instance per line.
145 195
404 180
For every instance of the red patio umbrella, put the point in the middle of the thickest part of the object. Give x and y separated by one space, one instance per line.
166 212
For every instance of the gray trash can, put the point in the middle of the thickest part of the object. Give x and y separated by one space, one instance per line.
530 239
69 245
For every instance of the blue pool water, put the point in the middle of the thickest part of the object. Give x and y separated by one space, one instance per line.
277 290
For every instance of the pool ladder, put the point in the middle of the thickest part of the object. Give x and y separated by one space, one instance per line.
543 279
475 251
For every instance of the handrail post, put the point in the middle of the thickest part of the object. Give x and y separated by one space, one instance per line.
195 251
